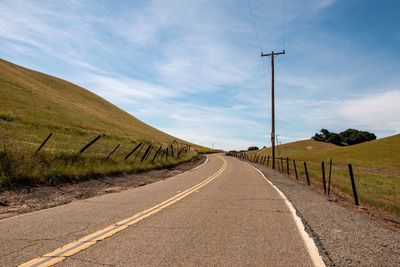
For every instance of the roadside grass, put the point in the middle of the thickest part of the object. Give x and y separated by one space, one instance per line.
59 160
376 167
35 104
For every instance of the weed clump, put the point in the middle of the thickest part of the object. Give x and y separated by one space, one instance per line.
6 117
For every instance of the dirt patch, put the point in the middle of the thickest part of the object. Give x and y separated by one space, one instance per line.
27 199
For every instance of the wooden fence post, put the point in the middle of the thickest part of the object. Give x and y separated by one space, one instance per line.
295 169
89 144
323 175
329 178
148 154
145 153
130 153
157 153
287 166
112 152
140 150
44 142
306 171
353 185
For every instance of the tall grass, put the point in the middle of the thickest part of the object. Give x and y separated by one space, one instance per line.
59 160
376 168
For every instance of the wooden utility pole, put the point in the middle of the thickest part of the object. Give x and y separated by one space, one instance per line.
272 55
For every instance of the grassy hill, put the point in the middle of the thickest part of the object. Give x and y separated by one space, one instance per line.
376 166
35 104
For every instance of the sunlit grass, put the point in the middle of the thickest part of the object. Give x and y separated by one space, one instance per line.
35 104
376 167
60 159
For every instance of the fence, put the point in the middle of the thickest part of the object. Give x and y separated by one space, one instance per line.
280 166
173 150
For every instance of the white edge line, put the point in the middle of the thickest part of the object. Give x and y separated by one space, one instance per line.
55 207
309 242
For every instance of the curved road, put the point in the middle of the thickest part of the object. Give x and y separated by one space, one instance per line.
223 213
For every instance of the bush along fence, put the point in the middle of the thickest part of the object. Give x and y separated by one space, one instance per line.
283 166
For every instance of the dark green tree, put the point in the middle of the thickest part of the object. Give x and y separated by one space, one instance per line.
348 137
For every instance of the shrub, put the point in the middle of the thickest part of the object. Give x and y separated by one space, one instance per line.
6 117
348 137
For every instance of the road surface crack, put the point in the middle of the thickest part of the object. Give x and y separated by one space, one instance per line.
41 240
95 263
20 249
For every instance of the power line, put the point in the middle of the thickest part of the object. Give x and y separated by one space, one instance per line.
254 25
283 25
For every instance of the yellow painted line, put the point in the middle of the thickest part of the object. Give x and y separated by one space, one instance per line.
69 250
83 243
50 262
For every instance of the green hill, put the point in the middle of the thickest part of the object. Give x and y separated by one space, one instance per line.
35 104
376 167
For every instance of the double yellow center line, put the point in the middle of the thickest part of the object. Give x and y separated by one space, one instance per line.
83 243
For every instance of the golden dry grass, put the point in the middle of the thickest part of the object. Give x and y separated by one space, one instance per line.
35 104
376 166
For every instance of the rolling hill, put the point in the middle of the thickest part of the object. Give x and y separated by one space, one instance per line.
34 97
376 167
35 104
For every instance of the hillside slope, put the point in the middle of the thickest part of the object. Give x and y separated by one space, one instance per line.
36 97
35 104
376 166
382 153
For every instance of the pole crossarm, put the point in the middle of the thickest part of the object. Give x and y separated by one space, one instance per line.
273 53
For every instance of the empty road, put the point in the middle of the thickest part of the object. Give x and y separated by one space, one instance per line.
223 213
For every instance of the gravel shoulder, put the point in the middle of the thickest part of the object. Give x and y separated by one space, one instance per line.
27 199
344 237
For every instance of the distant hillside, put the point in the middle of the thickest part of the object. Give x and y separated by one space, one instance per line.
35 104
383 153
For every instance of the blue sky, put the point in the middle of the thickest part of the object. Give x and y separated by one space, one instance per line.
193 68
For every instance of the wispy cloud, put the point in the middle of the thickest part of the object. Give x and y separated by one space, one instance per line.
376 111
192 68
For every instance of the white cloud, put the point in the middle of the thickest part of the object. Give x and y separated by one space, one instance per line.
126 90
154 58
374 111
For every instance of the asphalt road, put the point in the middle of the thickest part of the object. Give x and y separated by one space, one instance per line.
224 213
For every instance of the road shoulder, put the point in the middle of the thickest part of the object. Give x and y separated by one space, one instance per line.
344 237
21 200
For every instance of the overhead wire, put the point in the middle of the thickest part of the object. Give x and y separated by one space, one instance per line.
262 62
264 65
283 25
254 25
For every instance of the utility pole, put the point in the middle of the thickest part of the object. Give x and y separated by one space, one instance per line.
273 55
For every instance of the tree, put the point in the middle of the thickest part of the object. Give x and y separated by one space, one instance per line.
348 137
353 136
252 148
336 139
